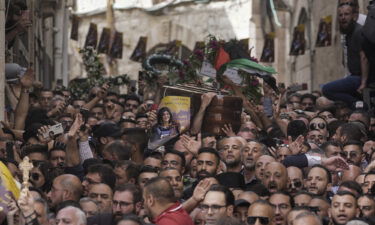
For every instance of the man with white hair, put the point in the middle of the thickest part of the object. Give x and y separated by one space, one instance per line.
70 215
230 152
307 218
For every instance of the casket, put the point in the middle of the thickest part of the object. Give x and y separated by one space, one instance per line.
223 109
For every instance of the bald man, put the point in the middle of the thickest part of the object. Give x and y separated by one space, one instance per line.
295 180
307 218
275 177
64 187
160 203
351 174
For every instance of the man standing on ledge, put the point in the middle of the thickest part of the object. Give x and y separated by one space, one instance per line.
161 206
349 88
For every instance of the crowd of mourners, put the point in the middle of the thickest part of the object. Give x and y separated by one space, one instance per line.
297 158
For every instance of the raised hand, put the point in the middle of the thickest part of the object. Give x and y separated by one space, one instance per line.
228 130
191 144
27 79
206 98
297 145
335 163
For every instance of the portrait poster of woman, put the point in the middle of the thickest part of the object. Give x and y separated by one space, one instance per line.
299 43
324 34
268 53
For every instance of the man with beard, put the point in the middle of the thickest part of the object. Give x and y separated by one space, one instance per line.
275 177
343 208
208 162
318 180
347 88
250 153
127 199
353 152
230 152
161 206
174 177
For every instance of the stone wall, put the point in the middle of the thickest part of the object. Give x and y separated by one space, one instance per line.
191 22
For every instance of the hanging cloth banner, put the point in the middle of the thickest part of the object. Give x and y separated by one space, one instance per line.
139 53
268 53
324 37
299 43
92 36
116 48
105 38
74 29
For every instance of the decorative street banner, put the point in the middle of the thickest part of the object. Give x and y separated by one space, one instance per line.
92 36
139 53
116 48
299 43
324 33
268 54
105 38
180 108
75 26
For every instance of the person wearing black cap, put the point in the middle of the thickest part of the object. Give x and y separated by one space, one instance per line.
241 206
105 133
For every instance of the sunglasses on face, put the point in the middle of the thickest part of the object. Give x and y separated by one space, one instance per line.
317 126
253 219
35 176
351 154
314 209
296 184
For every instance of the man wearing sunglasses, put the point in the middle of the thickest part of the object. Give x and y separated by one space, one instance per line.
295 180
353 153
261 212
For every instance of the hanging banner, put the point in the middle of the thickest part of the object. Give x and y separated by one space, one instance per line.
92 36
74 29
105 38
116 48
324 36
268 53
139 53
299 43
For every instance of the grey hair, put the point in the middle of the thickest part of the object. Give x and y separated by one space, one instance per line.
308 214
357 222
79 213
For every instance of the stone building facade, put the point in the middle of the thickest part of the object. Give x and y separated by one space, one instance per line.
189 21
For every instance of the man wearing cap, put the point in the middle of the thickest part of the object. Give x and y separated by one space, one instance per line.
105 133
241 206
